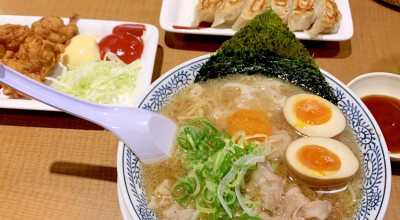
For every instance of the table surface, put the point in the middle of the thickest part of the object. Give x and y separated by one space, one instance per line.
56 166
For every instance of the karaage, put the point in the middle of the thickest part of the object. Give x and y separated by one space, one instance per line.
34 52
13 35
53 29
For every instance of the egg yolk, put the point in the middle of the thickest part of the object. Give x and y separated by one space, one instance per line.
251 122
312 111
319 159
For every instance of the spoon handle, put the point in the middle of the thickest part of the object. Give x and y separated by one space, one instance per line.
54 98
148 134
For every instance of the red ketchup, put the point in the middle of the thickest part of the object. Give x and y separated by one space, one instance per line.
125 41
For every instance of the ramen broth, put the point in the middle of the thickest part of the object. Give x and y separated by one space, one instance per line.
219 98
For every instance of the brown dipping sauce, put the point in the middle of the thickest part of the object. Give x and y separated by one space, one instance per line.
386 111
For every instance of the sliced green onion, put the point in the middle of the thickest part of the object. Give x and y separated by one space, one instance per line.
216 165
203 209
250 159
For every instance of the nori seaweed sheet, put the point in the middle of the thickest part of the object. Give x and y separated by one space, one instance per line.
297 72
266 32
266 46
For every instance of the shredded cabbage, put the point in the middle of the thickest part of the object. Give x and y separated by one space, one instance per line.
105 82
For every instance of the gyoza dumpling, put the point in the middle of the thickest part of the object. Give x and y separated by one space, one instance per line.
228 11
251 10
205 10
303 15
327 20
282 8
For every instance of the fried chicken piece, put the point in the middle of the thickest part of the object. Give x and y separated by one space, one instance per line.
35 58
34 52
11 37
3 50
52 28
39 55
20 67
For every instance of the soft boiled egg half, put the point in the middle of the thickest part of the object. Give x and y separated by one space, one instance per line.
321 161
313 115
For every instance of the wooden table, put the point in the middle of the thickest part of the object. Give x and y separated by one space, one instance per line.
55 166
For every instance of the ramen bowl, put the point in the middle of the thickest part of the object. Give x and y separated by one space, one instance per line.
376 180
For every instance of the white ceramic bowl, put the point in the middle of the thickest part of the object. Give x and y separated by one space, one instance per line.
376 182
377 83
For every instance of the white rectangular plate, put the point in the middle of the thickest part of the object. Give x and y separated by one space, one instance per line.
182 12
98 28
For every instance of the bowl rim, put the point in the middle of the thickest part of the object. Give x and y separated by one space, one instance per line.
371 75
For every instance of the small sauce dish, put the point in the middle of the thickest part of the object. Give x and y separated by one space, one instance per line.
379 86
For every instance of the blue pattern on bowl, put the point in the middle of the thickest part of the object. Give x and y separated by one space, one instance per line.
376 184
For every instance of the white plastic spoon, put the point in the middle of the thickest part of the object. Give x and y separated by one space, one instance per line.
148 134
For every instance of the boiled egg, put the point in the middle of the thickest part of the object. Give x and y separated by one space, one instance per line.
313 115
82 48
253 122
320 161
